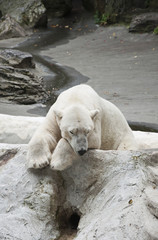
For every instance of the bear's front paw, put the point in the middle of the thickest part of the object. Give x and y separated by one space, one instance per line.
63 156
60 164
38 159
38 163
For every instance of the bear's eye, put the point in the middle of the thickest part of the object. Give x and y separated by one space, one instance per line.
71 132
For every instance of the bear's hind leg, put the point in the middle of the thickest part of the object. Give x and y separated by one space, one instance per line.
128 143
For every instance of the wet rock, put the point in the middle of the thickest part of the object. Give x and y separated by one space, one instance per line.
26 12
58 8
145 22
16 58
9 28
18 84
105 193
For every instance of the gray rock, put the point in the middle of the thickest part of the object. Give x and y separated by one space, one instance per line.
104 195
25 12
18 129
145 22
17 82
16 58
29 212
21 86
9 28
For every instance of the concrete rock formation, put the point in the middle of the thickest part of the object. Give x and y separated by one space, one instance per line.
145 22
26 13
103 195
17 82
9 28
19 129
16 58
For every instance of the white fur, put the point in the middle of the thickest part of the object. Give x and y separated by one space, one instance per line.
79 120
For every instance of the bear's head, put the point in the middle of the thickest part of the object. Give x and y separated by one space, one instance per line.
76 124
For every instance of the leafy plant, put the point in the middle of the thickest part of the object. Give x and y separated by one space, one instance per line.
102 19
156 30
97 18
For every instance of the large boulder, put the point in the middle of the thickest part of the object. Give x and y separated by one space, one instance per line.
16 58
26 12
17 82
18 129
145 22
104 195
9 28
29 212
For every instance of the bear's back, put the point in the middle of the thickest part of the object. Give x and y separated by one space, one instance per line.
80 94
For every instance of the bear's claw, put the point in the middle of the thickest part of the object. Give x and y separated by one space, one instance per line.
38 164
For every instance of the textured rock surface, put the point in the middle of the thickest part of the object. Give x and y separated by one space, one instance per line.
9 28
26 198
18 129
25 12
110 195
16 58
17 82
145 22
114 193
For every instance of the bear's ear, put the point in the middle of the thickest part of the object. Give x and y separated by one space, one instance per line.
93 113
58 114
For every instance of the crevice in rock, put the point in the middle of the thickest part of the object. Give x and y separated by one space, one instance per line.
68 221
74 220
7 156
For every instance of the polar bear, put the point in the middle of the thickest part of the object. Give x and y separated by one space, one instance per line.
79 120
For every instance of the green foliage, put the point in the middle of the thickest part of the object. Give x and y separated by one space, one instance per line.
101 19
104 18
156 30
97 18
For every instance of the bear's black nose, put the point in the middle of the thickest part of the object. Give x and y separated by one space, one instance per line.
81 152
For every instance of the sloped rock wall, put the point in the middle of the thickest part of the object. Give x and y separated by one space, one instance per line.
9 28
25 12
113 193
145 22
18 82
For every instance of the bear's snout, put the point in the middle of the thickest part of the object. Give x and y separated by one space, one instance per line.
81 152
79 144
